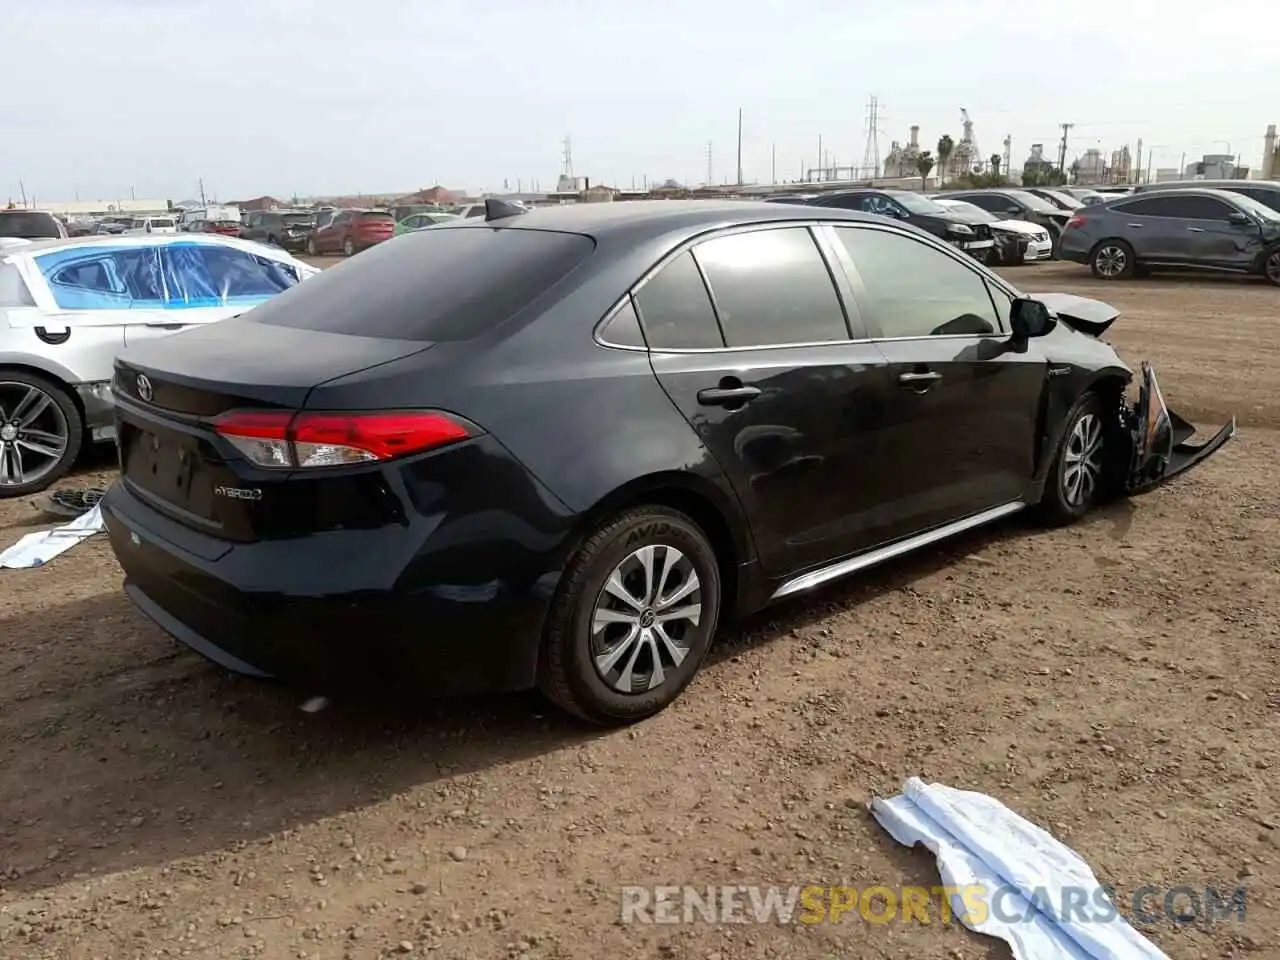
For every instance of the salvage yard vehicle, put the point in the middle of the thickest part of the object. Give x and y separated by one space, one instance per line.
912 208
1182 229
1015 205
287 229
555 448
67 307
1017 241
351 231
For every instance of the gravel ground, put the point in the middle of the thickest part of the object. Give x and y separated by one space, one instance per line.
1115 681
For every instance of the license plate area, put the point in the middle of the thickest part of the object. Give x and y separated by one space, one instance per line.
169 467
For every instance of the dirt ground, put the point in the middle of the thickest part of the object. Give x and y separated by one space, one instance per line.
1116 682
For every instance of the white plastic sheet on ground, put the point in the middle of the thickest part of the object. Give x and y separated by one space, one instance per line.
1028 876
37 549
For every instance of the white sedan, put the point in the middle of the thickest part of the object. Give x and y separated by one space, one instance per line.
68 306
1039 242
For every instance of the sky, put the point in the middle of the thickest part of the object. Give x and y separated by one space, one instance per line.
108 98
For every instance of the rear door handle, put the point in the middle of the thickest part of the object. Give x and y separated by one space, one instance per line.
1134 225
727 396
1195 229
919 381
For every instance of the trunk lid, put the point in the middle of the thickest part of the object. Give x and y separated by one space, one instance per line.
170 391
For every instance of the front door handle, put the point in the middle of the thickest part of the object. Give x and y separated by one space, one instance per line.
1195 229
1134 225
919 381
727 396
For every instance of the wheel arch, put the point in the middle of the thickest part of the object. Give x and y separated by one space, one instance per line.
55 373
713 509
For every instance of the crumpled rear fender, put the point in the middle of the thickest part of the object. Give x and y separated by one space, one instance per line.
1163 444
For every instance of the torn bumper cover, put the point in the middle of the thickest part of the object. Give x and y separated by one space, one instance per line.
1162 447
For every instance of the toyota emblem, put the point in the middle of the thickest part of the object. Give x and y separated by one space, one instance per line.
144 387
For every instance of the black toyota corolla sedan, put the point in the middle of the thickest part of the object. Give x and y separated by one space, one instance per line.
555 448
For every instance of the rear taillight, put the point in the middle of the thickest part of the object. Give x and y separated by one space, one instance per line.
285 440
1076 221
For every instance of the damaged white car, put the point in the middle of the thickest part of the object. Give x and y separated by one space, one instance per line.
68 306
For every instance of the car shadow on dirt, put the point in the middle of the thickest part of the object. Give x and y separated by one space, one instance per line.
122 749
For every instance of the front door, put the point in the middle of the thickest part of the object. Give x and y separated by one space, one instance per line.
960 431
764 367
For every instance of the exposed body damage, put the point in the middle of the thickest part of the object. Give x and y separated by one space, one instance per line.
1157 444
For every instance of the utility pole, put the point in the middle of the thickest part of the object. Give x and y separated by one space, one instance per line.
739 146
822 174
773 163
710 170
1062 148
203 202
1008 152
22 189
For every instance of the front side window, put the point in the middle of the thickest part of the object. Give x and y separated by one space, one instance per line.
676 310
772 287
911 289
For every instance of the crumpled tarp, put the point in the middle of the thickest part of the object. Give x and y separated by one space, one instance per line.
37 549
981 842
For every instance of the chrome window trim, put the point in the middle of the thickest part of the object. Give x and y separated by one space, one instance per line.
828 243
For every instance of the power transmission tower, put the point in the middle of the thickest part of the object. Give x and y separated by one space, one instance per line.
710 171
871 156
1008 152
1062 148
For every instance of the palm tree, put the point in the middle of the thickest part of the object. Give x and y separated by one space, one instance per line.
946 146
924 163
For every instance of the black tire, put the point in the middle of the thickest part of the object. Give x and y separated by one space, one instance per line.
1062 502
568 674
66 413
348 247
1271 266
311 247
1112 260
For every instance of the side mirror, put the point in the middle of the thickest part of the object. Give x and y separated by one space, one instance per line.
1029 318
1240 219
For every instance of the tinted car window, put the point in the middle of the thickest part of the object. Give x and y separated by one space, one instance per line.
1270 198
913 290
27 225
988 202
1147 207
623 328
238 273
772 287
676 310
431 285
1188 208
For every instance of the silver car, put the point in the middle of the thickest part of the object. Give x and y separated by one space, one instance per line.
68 306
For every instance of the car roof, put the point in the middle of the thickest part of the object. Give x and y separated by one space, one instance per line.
1227 195
1209 184
643 219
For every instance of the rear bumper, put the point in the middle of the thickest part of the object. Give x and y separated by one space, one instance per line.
302 610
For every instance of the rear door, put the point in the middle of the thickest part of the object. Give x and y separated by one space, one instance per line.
749 336
1151 227
959 435
1206 235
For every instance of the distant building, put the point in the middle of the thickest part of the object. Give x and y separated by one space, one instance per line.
1121 165
100 208
437 195
1091 167
901 161
1270 166
1166 174
1037 164
598 193
1214 166
257 203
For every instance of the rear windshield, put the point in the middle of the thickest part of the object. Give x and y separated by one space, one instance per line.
444 284
161 222
27 225
297 217
373 215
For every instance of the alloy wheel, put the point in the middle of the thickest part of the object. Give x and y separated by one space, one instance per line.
645 618
1082 461
34 434
1111 261
1273 267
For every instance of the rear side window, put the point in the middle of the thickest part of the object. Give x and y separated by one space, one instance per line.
772 287
432 285
676 310
26 225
